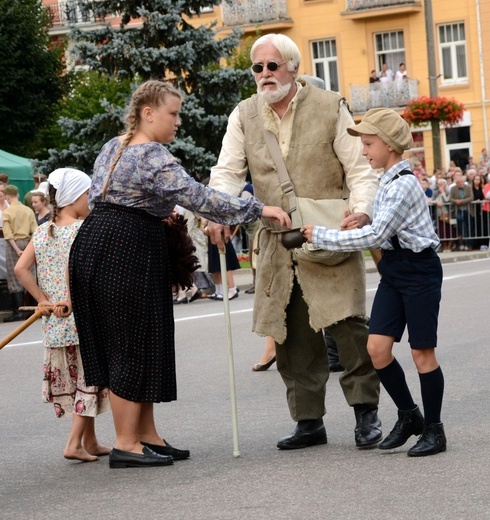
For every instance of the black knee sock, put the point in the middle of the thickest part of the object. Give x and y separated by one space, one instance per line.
432 390
393 379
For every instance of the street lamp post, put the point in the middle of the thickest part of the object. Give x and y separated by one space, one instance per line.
431 60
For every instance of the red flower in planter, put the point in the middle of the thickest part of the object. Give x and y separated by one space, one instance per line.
423 110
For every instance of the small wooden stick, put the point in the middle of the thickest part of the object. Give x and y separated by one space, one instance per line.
37 314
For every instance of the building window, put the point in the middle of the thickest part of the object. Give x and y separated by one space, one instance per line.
452 51
390 49
325 66
458 145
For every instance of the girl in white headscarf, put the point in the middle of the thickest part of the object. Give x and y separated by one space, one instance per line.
64 381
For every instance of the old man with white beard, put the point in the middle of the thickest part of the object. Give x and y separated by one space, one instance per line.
296 299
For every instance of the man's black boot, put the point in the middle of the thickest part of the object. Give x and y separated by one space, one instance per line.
368 426
307 433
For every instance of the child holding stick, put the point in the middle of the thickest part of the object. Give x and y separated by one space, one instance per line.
64 381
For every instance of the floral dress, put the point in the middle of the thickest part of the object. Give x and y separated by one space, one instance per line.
64 380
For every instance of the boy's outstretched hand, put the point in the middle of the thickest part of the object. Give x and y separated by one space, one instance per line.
308 232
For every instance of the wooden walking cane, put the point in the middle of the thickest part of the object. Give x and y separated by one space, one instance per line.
23 326
231 368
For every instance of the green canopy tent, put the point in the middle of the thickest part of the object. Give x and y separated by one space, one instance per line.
19 170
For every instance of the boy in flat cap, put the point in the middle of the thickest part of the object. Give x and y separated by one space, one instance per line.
409 291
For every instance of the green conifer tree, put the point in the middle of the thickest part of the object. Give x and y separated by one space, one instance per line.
156 41
31 69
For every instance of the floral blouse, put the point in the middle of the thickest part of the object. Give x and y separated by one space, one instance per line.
51 258
149 177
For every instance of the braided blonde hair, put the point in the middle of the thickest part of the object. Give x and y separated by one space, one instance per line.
151 93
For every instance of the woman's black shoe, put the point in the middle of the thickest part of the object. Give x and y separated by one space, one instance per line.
262 368
195 296
128 459
168 450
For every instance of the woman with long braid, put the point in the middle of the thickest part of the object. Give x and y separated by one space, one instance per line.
120 274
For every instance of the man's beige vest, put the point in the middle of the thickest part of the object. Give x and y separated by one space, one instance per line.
331 293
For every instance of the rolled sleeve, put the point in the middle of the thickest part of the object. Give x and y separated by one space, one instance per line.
229 174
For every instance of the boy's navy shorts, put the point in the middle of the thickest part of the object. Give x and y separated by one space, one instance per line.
409 294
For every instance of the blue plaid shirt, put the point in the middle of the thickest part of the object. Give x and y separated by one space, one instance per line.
400 208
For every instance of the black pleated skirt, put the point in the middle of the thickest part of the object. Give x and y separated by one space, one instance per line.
120 282
214 265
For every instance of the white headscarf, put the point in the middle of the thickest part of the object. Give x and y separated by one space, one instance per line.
70 184
42 189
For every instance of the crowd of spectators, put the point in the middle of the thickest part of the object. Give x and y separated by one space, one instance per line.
459 201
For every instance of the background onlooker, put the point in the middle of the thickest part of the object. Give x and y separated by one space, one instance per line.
443 215
232 264
38 179
250 230
200 241
373 77
417 168
40 204
3 205
478 222
401 75
386 72
484 158
19 223
427 189
486 210
461 196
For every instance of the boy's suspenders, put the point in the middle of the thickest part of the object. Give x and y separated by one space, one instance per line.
394 239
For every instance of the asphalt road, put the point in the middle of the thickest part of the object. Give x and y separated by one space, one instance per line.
324 482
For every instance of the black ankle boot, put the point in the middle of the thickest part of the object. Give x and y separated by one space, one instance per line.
410 422
367 433
432 441
17 301
307 433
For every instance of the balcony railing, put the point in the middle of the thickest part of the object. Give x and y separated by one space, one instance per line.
376 95
68 13
355 5
246 12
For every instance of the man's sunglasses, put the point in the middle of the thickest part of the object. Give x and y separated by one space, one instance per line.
272 66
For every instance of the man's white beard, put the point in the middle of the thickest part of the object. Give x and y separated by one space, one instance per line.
274 96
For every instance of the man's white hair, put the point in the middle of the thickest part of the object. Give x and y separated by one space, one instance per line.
288 49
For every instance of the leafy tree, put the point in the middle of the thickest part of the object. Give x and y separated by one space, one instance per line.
156 40
89 115
32 81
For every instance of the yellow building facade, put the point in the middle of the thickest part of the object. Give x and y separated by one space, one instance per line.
342 41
